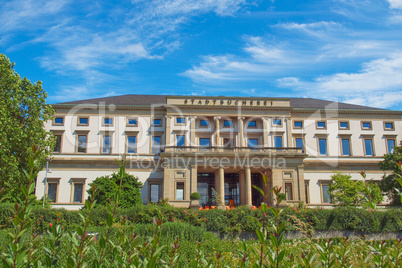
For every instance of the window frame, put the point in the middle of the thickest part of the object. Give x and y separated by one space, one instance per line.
371 125
344 128
58 124
53 181
206 120
350 145
82 117
326 146
74 182
295 143
227 120
155 182
277 136
132 125
153 122
135 149
302 124
103 142
324 182
321 121
77 142
248 124
152 144
277 125
61 142
389 122
291 188
307 191
372 146
176 139
248 142
107 125
180 124
386 144
184 189
199 141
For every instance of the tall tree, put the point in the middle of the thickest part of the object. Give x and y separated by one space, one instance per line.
23 111
389 183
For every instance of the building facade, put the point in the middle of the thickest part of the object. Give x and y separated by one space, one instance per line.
216 146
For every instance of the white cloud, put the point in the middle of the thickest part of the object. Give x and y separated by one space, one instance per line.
397 4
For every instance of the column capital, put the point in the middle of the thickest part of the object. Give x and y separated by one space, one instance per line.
240 117
168 116
193 117
217 118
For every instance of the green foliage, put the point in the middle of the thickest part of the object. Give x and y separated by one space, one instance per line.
195 196
347 192
23 111
389 184
108 186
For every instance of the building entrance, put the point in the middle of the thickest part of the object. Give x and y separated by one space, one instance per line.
256 197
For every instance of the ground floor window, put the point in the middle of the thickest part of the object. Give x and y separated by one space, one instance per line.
52 190
205 184
154 192
179 190
77 190
325 197
289 191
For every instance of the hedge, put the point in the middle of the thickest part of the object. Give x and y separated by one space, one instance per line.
226 221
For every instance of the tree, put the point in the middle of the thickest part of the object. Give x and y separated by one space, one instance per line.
23 111
108 186
347 192
389 184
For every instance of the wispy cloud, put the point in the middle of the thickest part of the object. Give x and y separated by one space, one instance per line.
397 4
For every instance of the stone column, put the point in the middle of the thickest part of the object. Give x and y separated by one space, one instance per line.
300 183
289 132
241 131
192 131
217 131
222 187
248 187
193 178
242 186
168 183
168 130
277 182
265 131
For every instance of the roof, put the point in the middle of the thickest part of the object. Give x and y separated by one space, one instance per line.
297 103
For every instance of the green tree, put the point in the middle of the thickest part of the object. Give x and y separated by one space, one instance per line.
108 186
389 184
23 111
347 192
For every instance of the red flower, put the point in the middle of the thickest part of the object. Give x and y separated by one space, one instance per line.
58 219
50 224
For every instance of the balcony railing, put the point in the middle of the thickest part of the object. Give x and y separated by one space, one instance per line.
232 149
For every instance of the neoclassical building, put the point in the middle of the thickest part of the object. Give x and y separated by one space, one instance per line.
216 146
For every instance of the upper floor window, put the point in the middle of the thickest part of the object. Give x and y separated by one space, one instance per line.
390 145
82 143
322 146
321 124
206 142
388 125
366 125
343 125
156 145
368 147
180 120
132 122
180 140
277 122
107 121
252 123
299 143
251 143
278 141
107 144
297 124
157 122
83 121
131 144
204 123
58 121
345 142
57 147
227 123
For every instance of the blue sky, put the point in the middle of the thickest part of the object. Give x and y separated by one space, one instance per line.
348 51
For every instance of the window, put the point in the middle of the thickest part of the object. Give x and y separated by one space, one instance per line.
227 123
343 125
307 191
57 147
321 124
204 123
277 122
58 121
180 120
325 197
78 190
252 143
366 125
368 147
297 124
157 122
131 144
108 121
299 143
206 142
180 140
345 146
154 192
228 142
289 191
322 146
107 144
156 144
132 122
388 125
390 145
52 190
82 144
83 121
278 141
252 123
179 190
